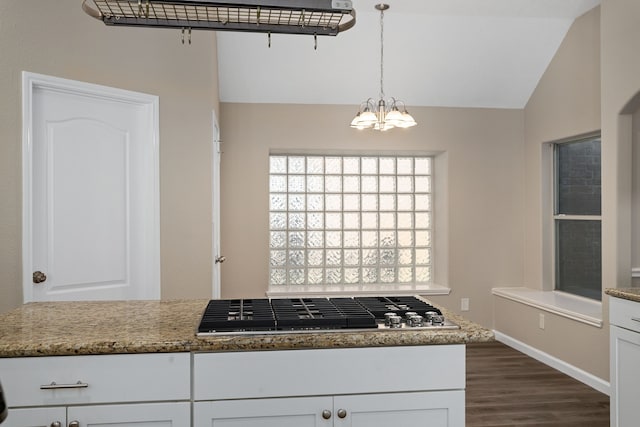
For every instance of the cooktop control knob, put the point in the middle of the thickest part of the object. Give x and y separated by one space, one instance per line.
387 318
395 322
416 321
428 315
437 319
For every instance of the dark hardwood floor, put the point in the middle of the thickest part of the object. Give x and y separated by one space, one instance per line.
508 388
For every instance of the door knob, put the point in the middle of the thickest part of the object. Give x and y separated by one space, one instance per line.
56 424
39 277
326 414
74 424
342 413
220 259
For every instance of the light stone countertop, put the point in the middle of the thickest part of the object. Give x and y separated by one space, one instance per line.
632 294
111 327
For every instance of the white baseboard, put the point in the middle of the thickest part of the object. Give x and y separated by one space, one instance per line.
583 376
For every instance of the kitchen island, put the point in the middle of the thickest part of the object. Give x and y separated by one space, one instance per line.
119 362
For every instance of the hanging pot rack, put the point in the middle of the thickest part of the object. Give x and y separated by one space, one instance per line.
310 17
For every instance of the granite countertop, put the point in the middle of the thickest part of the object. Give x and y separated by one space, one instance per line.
110 327
632 294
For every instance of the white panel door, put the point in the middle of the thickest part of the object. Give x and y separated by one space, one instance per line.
91 228
285 412
36 417
143 415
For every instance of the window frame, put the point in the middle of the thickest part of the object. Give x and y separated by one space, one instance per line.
439 241
557 217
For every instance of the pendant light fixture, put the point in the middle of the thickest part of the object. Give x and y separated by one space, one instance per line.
386 114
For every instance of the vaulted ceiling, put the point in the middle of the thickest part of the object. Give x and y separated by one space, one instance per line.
455 53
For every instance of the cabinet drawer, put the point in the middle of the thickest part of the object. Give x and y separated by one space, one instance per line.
624 313
44 381
258 374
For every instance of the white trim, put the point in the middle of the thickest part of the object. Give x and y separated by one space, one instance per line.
578 217
572 307
359 290
566 368
27 186
150 103
215 207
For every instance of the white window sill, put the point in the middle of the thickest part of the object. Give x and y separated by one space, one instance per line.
358 290
573 307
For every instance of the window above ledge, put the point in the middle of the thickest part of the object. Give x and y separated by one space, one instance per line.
573 307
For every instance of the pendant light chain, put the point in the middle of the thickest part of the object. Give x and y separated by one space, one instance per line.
383 114
381 54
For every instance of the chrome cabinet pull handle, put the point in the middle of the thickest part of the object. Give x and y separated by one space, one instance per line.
74 424
56 424
326 414
54 385
342 413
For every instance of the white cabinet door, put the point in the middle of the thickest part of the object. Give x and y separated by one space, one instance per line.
36 417
147 415
433 409
625 377
292 412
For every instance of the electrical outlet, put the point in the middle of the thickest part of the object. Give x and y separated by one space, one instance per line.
541 321
464 304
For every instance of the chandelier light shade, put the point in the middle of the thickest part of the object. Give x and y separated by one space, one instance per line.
383 114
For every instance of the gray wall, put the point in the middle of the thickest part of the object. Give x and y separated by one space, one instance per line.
484 184
566 103
57 38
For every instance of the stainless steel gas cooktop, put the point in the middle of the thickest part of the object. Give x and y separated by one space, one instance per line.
296 315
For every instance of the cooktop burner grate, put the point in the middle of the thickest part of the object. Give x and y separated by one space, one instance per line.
238 315
378 306
357 316
321 313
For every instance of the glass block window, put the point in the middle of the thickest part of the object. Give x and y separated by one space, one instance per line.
577 217
345 220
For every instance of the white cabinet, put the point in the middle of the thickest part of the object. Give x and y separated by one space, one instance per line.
372 387
177 414
434 408
366 410
355 387
289 412
625 369
98 390
36 417
130 415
